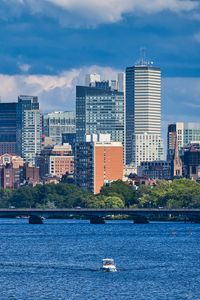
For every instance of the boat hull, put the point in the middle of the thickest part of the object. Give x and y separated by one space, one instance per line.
109 269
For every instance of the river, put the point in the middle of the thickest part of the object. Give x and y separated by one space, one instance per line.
61 260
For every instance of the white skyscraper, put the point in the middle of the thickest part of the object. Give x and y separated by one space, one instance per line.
90 79
143 113
121 82
29 128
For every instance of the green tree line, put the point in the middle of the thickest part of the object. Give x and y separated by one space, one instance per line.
172 194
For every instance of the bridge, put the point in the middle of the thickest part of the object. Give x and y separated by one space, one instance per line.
98 216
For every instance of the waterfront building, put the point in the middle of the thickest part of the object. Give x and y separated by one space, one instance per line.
56 161
61 160
8 128
143 113
99 111
31 174
156 169
98 161
191 161
15 160
58 123
186 132
29 128
11 171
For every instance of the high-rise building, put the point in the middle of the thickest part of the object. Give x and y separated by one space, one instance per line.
99 111
98 161
8 128
29 128
143 113
186 132
57 123
121 82
91 79
156 169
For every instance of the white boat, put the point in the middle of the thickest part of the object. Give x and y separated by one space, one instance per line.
108 265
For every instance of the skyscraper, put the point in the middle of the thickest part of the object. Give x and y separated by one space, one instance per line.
143 113
99 111
185 132
7 128
59 122
91 79
98 161
121 82
29 128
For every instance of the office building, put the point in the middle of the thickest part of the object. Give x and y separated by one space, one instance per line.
91 79
11 171
61 161
29 128
121 82
143 113
58 123
98 161
69 138
118 84
8 128
186 132
99 111
31 174
56 161
156 169
191 161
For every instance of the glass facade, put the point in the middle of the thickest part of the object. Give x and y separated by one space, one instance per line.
185 132
58 123
99 111
7 128
29 128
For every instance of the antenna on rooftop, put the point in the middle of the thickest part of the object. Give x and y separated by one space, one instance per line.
143 60
142 55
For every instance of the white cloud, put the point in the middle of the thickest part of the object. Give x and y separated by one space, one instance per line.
24 67
180 96
95 12
56 92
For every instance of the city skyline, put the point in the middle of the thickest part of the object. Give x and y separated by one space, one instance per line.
41 53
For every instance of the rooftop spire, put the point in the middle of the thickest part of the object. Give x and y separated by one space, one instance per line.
142 60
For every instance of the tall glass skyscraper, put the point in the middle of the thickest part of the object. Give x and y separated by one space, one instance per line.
8 128
99 111
29 128
143 113
57 123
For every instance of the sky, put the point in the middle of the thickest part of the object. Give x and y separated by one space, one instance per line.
47 47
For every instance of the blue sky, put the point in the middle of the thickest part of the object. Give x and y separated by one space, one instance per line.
47 46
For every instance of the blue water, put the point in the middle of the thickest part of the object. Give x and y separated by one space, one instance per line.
61 260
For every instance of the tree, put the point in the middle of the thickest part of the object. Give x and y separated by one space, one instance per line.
123 190
113 202
5 198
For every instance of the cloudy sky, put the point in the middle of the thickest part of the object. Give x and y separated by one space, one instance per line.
47 46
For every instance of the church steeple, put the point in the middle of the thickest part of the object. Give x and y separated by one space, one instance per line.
177 162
